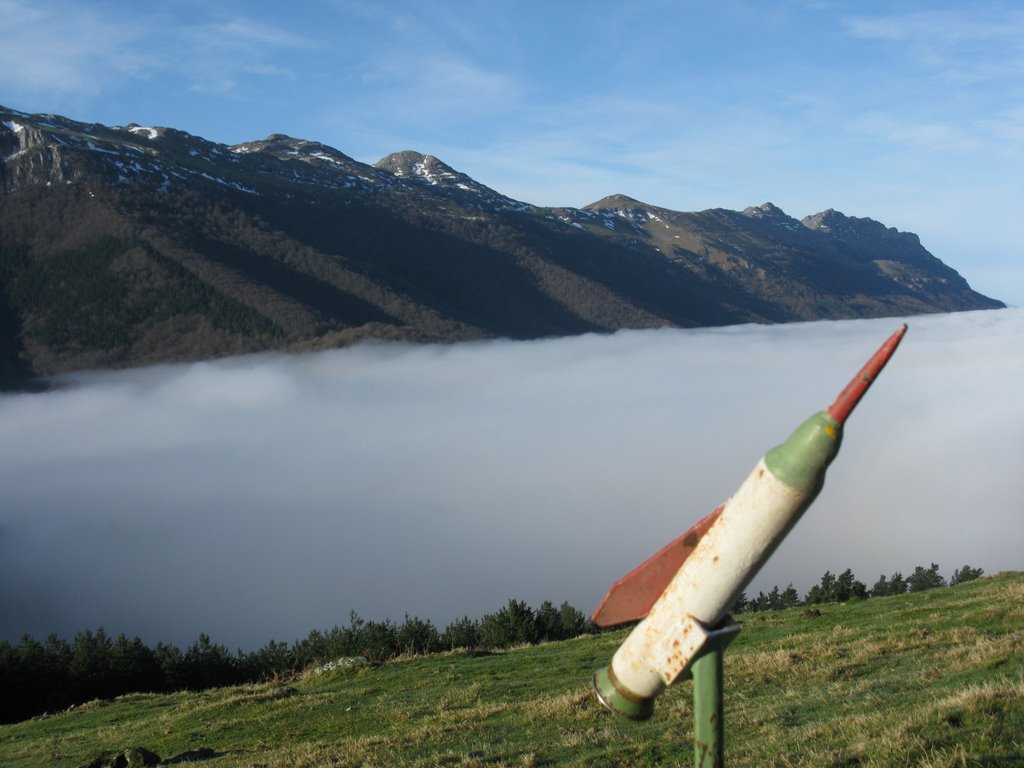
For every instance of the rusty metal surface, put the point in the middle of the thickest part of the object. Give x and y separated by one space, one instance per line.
631 597
682 650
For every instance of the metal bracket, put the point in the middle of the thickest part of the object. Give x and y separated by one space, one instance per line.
695 640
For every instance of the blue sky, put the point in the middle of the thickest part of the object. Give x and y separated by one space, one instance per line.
909 113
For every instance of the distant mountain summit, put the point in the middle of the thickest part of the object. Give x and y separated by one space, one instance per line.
615 203
772 214
429 171
414 165
130 245
285 147
870 235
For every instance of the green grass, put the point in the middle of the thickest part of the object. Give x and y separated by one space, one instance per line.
933 679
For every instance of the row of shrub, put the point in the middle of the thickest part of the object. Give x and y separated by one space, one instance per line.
38 677
49 676
846 586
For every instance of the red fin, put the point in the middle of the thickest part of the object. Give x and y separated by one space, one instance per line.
631 597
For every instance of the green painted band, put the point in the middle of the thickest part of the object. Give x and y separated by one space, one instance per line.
801 461
618 701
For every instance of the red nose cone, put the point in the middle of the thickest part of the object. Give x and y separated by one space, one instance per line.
855 390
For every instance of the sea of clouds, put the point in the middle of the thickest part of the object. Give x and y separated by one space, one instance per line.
262 497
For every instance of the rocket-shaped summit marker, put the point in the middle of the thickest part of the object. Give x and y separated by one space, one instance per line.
689 586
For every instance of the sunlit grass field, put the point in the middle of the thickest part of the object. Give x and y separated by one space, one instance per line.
931 679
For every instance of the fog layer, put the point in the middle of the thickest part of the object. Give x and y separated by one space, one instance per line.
262 497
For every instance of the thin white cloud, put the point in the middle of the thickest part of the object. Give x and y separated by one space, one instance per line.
224 54
967 47
263 497
421 93
271 70
938 28
1007 126
240 32
420 74
447 83
930 137
67 48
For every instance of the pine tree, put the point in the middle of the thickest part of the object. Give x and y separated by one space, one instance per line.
824 591
967 573
573 622
881 587
925 578
848 587
549 622
462 633
512 625
790 597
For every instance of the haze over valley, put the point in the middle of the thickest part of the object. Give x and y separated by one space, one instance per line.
261 497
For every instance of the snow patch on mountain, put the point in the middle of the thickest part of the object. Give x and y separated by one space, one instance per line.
146 133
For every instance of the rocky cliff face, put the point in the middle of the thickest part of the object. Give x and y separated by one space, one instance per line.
30 158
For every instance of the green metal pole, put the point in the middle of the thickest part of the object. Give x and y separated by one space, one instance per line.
708 710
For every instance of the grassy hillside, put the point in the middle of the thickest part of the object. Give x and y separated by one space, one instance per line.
927 679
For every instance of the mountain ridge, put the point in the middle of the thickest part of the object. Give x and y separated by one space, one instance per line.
132 244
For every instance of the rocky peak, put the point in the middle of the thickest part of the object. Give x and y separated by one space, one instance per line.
624 207
443 180
613 210
284 146
771 214
764 211
616 202
877 242
851 228
830 221
415 165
